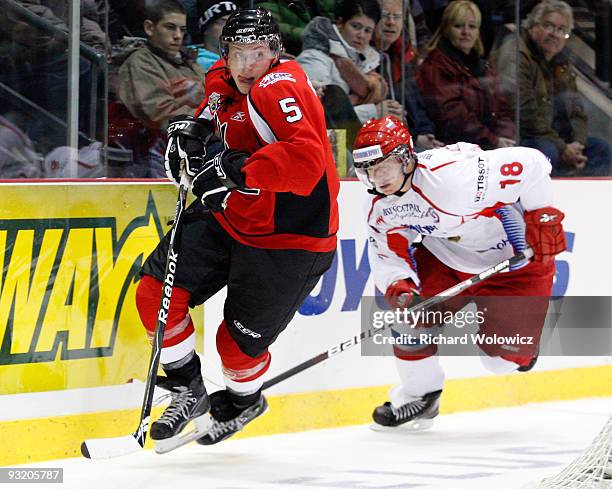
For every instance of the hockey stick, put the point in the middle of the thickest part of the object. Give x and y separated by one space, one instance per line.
432 301
97 448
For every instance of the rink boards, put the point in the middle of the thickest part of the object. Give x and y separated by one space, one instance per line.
72 341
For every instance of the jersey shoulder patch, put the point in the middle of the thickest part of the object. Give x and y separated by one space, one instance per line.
284 77
275 77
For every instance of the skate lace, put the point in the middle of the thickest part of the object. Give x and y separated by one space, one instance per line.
407 410
178 408
220 428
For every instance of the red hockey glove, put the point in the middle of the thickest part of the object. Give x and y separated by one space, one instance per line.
544 233
400 293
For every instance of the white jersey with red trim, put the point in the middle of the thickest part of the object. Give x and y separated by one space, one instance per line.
467 205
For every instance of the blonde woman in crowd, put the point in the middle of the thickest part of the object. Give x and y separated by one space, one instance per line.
461 91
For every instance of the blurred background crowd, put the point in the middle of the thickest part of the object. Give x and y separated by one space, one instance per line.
87 86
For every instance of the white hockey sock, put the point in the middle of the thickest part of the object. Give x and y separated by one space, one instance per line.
244 388
498 365
417 378
170 354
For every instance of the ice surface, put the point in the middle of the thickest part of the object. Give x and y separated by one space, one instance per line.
492 449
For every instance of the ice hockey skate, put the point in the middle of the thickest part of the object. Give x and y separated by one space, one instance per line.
231 414
530 365
415 415
188 403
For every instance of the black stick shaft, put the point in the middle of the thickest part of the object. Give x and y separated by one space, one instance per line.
171 260
432 301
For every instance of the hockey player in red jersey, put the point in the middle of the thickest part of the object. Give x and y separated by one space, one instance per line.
264 224
472 209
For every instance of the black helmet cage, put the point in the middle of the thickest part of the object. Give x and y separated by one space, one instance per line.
248 26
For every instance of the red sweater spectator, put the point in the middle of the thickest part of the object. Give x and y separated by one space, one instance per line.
462 93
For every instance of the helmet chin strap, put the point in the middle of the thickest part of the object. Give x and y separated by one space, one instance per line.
407 175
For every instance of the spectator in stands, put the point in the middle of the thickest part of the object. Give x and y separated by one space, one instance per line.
57 13
293 15
462 92
418 34
388 38
552 118
192 10
340 54
34 60
160 80
212 20
434 11
18 157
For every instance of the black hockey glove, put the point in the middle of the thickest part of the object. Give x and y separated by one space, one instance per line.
219 176
188 138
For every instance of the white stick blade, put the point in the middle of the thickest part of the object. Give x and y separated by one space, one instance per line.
98 448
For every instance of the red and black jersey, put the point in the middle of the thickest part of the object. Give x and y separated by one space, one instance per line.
291 176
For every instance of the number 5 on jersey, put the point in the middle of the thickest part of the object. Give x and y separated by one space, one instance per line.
288 106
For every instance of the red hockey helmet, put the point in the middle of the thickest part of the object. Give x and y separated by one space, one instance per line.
378 138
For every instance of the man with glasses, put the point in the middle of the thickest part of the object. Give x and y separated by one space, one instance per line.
552 116
405 101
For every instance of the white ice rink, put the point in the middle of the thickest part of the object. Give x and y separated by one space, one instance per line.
493 449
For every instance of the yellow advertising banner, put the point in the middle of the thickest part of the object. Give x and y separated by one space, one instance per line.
70 256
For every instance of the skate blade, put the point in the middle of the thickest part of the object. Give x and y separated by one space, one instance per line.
209 442
411 426
202 425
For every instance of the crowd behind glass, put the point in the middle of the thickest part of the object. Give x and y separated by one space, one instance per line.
453 71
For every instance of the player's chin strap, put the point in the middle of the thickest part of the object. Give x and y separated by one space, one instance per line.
407 175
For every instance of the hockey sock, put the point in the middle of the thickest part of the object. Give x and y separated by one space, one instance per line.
179 334
498 365
242 373
243 401
418 377
184 370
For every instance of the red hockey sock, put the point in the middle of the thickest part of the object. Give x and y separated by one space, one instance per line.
243 374
179 325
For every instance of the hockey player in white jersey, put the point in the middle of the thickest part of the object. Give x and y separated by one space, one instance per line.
472 209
